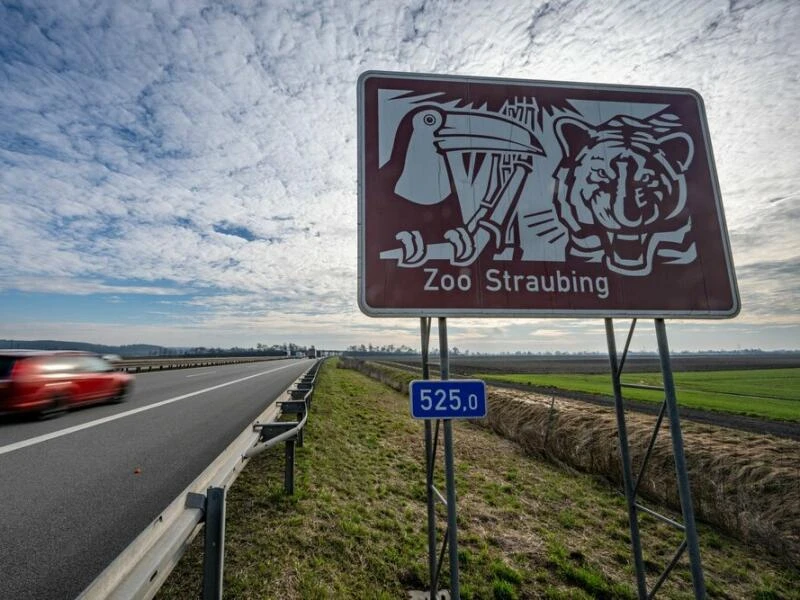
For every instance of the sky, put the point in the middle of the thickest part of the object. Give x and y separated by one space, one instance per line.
184 173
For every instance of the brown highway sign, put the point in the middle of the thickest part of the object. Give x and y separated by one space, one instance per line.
503 197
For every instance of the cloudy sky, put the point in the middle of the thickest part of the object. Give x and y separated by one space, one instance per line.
184 173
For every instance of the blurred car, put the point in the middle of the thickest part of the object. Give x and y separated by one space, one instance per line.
48 382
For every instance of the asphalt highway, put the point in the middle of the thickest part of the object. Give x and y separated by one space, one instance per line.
75 490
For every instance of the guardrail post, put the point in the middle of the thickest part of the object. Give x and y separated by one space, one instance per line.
300 433
288 475
214 557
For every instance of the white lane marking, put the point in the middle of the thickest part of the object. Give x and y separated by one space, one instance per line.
201 374
57 434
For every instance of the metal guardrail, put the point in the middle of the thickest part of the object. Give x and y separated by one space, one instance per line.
141 569
139 365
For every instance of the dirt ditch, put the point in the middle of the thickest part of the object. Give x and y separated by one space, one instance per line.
746 484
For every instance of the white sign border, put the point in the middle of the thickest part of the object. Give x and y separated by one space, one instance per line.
535 312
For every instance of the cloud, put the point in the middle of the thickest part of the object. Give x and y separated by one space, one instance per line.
210 148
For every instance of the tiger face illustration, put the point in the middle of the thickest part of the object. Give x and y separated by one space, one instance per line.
621 191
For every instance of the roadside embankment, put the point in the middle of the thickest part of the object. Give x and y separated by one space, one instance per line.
527 528
746 484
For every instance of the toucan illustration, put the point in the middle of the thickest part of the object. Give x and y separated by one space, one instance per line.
486 156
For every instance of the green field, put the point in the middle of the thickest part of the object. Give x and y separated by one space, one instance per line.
768 393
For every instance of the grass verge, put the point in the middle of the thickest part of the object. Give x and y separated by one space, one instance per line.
356 525
769 393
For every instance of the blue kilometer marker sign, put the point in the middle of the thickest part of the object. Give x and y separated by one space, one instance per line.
449 399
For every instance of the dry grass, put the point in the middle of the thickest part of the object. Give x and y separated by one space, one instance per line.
747 484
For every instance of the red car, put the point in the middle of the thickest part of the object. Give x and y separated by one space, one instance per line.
47 382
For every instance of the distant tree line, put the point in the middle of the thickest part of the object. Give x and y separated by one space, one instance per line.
292 349
149 350
289 349
388 349
455 351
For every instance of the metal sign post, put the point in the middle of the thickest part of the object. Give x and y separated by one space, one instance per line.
442 401
450 541
449 469
631 485
425 331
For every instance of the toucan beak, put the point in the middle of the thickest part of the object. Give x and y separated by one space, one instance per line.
489 132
